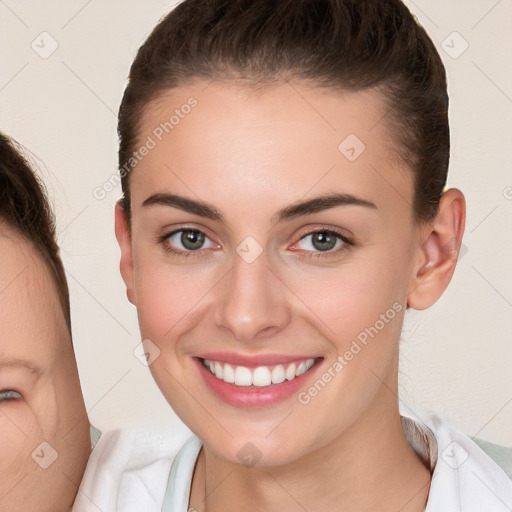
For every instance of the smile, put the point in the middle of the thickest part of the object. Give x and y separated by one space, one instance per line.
261 376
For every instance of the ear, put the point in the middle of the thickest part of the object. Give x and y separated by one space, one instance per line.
438 252
124 240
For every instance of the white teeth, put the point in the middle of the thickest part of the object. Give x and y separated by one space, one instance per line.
290 372
300 369
243 376
278 374
261 376
218 369
229 374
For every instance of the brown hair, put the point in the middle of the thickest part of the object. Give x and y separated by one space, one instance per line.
24 207
343 44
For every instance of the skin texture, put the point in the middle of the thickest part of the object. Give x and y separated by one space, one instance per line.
251 153
33 331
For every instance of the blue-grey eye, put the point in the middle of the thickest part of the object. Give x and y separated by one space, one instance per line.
9 394
323 240
190 239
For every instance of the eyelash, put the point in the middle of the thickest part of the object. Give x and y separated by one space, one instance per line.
347 243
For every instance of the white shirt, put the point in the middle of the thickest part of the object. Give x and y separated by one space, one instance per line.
147 471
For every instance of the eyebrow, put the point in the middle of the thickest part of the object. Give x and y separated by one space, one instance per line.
20 363
297 209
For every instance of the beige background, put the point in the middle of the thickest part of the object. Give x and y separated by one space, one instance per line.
456 357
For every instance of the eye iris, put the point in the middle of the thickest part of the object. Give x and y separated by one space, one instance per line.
324 241
192 239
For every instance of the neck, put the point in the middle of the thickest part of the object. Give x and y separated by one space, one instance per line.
370 466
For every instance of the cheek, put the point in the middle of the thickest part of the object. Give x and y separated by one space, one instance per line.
169 297
344 301
19 430
12 441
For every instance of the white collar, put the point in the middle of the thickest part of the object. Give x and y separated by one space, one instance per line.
177 494
464 477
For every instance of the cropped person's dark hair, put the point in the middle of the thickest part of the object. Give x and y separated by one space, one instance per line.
342 44
24 208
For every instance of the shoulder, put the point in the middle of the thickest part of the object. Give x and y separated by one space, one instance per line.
467 477
128 470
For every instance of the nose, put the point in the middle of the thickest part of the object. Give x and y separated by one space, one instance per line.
252 303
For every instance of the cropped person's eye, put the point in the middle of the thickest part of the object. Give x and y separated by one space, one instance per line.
9 394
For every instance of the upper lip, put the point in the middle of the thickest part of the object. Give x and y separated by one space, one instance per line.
254 360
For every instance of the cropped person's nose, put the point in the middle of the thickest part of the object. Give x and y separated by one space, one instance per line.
252 303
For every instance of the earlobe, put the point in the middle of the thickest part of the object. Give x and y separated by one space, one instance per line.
438 252
123 235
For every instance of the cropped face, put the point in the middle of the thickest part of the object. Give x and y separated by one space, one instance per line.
271 255
44 441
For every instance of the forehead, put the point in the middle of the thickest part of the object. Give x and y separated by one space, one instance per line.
32 324
227 139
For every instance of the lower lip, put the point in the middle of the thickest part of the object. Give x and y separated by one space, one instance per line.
252 396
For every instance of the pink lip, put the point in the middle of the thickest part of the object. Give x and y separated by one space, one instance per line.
255 360
252 397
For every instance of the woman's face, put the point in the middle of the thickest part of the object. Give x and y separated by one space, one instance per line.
44 441
226 270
